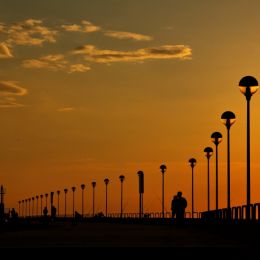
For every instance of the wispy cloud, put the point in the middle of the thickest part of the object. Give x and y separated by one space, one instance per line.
85 26
30 32
5 52
66 109
91 53
2 28
52 62
9 91
128 35
78 68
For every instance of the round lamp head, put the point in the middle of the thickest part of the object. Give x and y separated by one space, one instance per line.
122 178
163 168
82 186
248 85
216 138
140 173
208 152
106 181
192 162
228 118
93 183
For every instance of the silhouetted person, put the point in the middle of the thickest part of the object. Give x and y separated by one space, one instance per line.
181 204
174 205
14 214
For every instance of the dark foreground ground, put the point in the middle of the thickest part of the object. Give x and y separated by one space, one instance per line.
152 238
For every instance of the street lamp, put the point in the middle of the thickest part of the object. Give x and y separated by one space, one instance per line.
23 208
29 207
41 196
65 200
216 138
58 193
32 206
141 192
73 190
37 198
163 169
82 198
248 85
208 153
192 163
122 178
93 183
46 196
106 183
228 118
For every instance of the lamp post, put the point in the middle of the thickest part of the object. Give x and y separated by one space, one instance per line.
23 208
73 190
216 138
228 118
106 183
29 207
46 196
248 85
163 169
37 198
65 200
93 183
58 193
122 178
32 206
41 196
82 199
208 153
192 163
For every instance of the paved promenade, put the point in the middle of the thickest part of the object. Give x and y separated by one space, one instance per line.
145 235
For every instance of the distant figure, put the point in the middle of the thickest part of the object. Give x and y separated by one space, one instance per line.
45 212
14 214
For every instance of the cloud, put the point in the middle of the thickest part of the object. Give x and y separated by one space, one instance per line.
11 88
78 68
52 62
5 52
2 28
91 53
128 35
30 32
9 91
66 109
85 27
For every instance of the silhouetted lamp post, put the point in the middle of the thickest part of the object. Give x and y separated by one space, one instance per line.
41 196
208 153
58 193
19 202
29 206
228 118
65 200
46 197
73 190
32 206
82 186
93 183
192 163
248 85
122 178
106 183
216 138
23 208
37 198
163 169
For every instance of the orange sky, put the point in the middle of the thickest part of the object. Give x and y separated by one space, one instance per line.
90 90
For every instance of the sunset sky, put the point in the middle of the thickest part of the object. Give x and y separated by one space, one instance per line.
92 89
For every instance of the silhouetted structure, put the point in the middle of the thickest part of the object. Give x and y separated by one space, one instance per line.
65 201
141 191
2 207
208 152
178 207
93 186
82 199
73 190
192 162
248 85
122 178
41 196
163 170
58 198
216 138
37 198
228 118
106 183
